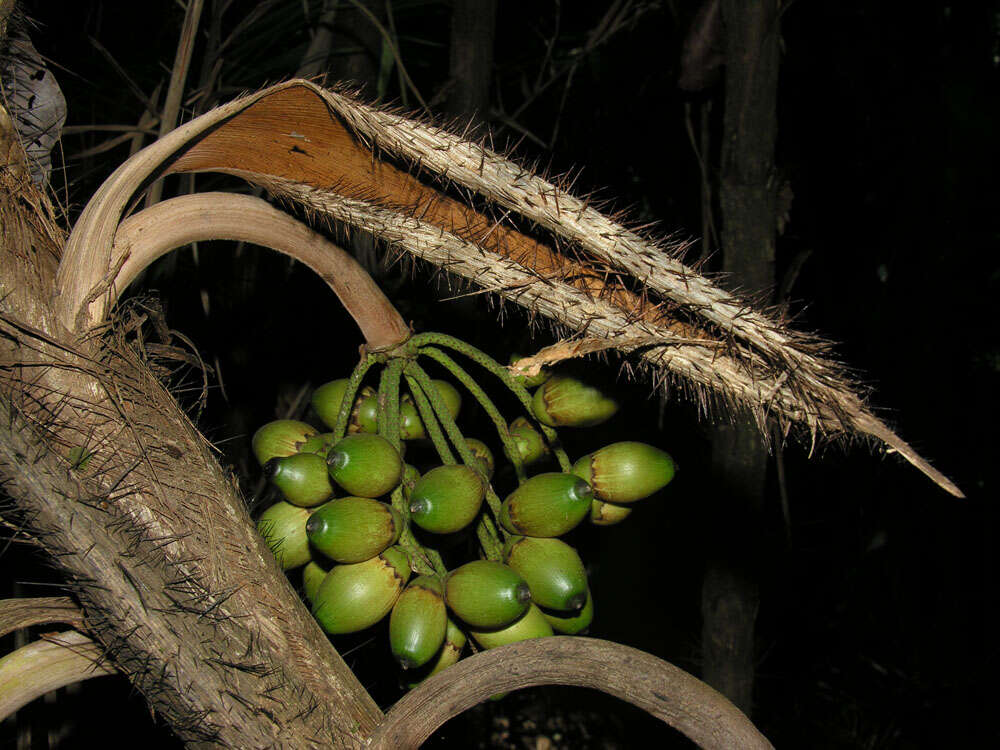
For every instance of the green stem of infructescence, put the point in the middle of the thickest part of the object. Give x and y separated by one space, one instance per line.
488 406
349 393
430 422
486 361
425 561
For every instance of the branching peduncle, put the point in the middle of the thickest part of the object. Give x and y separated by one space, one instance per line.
480 395
349 393
431 423
486 361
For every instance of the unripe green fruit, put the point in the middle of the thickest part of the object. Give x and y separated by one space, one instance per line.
354 597
418 623
625 472
563 401
327 400
312 576
318 444
486 594
450 653
364 413
410 426
531 446
446 499
283 437
484 457
572 624
365 465
353 529
532 625
552 569
283 527
546 505
452 398
302 478
529 381
608 514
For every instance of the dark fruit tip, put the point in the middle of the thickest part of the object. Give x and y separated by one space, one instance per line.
418 506
523 593
336 459
272 467
583 490
314 525
577 601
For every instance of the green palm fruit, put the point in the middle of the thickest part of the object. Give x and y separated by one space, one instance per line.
531 446
283 527
302 478
486 594
283 437
531 625
364 413
312 576
552 569
353 529
410 426
418 622
563 401
572 623
446 498
365 465
484 457
327 400
608 514
318 444
450 653
530 381
449 393
625 472
546 505
354 597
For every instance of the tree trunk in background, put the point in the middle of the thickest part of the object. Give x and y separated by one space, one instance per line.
355 33
739 459
473 23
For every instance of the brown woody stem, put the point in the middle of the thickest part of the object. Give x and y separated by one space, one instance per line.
151 233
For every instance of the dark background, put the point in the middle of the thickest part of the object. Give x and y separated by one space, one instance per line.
875 628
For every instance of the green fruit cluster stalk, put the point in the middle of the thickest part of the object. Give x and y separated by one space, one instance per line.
359 521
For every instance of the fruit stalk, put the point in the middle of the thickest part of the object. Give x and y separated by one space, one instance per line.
489 407
350 390
487 362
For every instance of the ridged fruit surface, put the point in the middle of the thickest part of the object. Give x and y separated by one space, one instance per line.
563 401
418 623
486 594
553 570
365 465
625 472
532 625
327 399
283 527
318 444
302 478
546 505
446 499
354 597
572 623
282 437
353 529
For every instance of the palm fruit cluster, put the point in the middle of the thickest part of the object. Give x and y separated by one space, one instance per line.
366 527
